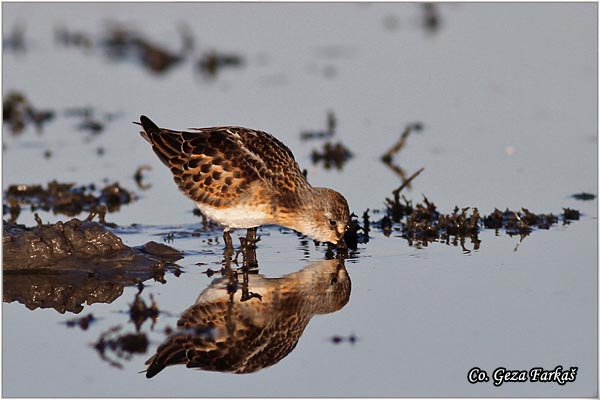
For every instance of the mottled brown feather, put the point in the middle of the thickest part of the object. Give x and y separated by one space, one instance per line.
224 166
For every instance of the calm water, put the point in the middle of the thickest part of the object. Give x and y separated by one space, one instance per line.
507 95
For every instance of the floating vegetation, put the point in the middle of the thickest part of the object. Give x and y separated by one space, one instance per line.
123 44
82 322
332 155
212 62
583 196
357 233
18 113
123 346
336 339
422 223
66 198
320 134
570 214
139 312
138 177
91 120
387 157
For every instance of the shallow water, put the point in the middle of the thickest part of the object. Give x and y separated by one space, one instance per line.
507 95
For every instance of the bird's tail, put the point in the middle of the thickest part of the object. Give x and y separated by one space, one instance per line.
149 127
165 143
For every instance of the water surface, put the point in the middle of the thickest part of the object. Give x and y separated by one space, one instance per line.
507 96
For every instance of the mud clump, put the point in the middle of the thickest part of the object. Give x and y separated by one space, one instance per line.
63 265
73 245
51 246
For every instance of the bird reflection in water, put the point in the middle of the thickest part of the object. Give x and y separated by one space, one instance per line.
244 330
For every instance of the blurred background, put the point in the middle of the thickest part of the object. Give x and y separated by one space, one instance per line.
502 102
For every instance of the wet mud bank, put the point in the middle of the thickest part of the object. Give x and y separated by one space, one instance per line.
66 264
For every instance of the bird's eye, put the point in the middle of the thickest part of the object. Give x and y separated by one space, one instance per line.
332 222
333 281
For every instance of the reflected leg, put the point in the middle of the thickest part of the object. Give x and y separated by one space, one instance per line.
228 242
250 261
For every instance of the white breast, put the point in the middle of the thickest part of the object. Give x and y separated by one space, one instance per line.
236 217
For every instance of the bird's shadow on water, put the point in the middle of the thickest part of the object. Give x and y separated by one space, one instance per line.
245 321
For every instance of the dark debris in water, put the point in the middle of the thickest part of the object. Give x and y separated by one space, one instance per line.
138 177
357 233
583 196
396 147
122 346
337 339
388 157
92 120
212 62
422 223
81 322
332 155
66 198
570 214
123 44
139 312
320 134
18 113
